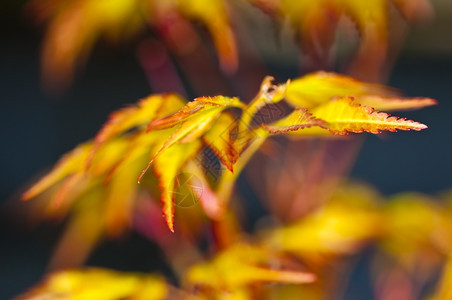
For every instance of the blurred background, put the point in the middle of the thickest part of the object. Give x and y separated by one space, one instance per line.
37 127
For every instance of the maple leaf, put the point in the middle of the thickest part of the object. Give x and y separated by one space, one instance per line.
394 103
167 166
239 266
332 230
74 27
408 233
320 87
96 283
343 116
269 93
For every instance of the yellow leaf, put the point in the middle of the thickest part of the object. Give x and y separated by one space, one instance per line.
86 225
240 265
418 231
119 199
100 284
393 103
320 87
333 230
193 108
167 167
343 116
74 27
123 145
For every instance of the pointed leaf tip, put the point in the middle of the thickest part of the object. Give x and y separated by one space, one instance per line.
170 224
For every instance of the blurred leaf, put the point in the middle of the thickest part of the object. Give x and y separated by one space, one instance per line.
68 164
444 289
393 103
317 23
318 88
332 230
75 26
98 284
214 15
239 266
268 94
418 231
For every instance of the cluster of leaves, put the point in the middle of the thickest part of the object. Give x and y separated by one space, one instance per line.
163 132
317 23
75 25
307 258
